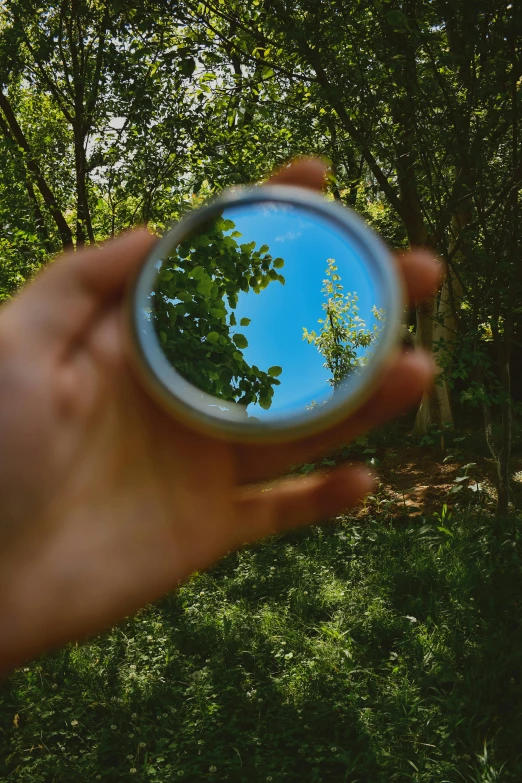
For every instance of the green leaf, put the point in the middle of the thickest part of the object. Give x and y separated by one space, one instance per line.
163 337
187 67
275 371
244 321
240 340
212 337
204 285
197 272
396 19
278 263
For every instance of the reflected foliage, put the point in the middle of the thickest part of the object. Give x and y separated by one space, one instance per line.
343 332
193 312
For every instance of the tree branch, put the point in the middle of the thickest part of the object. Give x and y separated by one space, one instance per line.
43 187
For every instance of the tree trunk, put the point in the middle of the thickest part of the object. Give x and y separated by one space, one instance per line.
38 215
34 169
504 493
501 455
83 216
435 408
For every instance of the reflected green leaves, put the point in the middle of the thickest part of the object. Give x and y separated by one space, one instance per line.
343 332
193 305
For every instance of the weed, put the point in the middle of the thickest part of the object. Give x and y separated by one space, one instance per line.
373 653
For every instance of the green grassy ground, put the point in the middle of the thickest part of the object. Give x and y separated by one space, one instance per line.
370 654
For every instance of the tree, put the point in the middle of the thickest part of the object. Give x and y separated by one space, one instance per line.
410 97
343 332
114 114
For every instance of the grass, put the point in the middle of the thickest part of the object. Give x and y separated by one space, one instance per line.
343 653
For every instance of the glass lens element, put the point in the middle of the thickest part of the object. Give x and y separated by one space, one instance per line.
269 309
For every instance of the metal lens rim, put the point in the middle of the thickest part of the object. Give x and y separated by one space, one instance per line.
188 402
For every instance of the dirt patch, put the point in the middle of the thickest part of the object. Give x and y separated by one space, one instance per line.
416 481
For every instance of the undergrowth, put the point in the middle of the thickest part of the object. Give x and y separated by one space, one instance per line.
341 653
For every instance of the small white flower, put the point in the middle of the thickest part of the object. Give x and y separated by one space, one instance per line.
98 777
26 669
305 592
131 736
113 727
134 715
132 770
150 639
142 744
133 665
180 773
74 723
269 777
333 749
212 769
130 756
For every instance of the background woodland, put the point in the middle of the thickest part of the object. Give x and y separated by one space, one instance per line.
114 114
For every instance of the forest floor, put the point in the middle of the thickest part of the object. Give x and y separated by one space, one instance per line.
383 648
419 480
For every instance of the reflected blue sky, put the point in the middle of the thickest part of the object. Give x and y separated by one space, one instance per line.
278 314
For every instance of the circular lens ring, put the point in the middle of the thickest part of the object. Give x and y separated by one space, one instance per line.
188 403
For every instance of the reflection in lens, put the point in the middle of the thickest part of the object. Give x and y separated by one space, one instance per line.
234 304
195 299
344 339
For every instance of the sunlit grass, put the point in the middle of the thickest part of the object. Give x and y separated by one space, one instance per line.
344 653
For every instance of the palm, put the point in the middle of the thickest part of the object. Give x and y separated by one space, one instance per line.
113 470
109 502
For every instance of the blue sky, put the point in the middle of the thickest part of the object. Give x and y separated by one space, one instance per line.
279 313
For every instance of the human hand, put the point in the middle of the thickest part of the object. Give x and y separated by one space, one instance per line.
107 502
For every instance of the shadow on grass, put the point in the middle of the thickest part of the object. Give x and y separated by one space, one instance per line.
338 654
